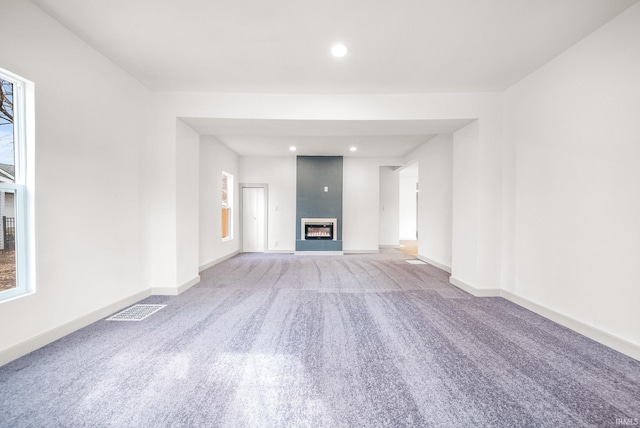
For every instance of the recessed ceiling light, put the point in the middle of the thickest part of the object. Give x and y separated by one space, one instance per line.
292 148
339 50
353 149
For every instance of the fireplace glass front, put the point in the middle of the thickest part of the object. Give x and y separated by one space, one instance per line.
318 231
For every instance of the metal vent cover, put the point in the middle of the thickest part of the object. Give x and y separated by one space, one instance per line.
136 313
416 262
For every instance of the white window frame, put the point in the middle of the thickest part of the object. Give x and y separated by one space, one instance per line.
23 188
228 205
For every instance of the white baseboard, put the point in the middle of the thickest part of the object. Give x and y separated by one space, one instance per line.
434 263
174 291
630 349
280 251
477 292
389 246
362 251
218 260
164 291
187 285
30 345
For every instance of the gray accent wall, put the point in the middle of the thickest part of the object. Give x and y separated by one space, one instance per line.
314 173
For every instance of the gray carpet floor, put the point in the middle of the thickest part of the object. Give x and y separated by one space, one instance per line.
352 341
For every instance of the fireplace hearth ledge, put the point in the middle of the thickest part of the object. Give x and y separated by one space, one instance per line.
318 253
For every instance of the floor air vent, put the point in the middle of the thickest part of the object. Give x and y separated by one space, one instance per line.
416 262
136 313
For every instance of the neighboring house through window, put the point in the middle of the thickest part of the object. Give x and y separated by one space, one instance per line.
16 265
227 203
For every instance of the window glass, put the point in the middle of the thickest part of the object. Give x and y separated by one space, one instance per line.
7 139
227 203
7 196
16 269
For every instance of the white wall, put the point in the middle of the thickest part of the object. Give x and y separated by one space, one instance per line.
575 131
361 197
215 157
187 206
91 121
408 205
435 160
280 174
465 205
561 192
389 216
158 193
361 203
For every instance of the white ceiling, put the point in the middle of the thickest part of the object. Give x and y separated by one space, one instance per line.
401 46
379 138
282 46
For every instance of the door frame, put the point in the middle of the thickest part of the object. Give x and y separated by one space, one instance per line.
264 186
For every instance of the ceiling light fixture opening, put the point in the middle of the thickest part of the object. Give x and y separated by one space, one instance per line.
339 50
353 149
292 149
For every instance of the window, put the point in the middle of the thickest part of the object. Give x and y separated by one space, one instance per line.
227 203
16 118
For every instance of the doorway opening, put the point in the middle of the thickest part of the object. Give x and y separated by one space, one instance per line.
409 209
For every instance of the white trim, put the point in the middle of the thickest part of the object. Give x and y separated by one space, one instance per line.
187 285
477 292
265 187
279 251
318 253
434 263
23 188
228 205
164 291
30 345
175 291
361 251
218 260
630 349
389 246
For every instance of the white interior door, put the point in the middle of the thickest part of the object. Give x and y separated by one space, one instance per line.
253 219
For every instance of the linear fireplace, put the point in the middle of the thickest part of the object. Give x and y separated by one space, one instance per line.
319 229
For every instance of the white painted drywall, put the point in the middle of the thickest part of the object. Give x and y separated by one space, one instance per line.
408 203
361 203
361 199
464 247
215 157
187 205
435 160
568 207
280 174
574 126
91 121
389 218
158 187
